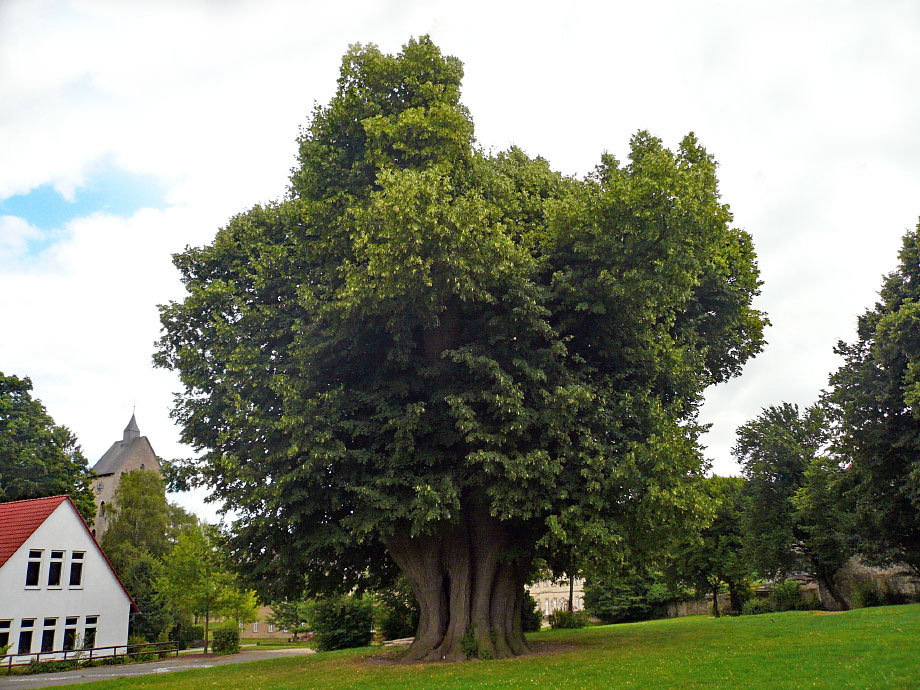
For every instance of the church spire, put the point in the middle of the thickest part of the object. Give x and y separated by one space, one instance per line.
131 431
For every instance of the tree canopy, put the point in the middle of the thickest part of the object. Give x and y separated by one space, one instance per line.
38 458
796 517
875 400
715 556
456 358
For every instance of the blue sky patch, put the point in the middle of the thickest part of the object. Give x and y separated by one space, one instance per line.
107 189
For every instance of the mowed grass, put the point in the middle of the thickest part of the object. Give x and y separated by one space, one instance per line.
869 648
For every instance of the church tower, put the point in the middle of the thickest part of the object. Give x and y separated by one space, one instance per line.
132 452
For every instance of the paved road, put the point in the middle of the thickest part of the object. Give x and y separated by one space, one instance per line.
86 675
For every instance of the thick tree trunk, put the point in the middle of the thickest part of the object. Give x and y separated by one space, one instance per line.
734 595
715 602
828 581
469 585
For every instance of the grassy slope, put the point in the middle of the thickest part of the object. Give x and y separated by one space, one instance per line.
869 648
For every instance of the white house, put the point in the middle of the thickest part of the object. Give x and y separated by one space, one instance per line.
58 591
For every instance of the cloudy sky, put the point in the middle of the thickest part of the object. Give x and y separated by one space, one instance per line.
130 130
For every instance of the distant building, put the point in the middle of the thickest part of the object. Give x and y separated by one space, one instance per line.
553 595
262 628
133 452
57 589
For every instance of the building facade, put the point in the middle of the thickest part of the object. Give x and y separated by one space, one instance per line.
553 595
133 452
57 589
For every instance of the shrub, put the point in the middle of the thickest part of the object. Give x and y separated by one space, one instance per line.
812 603
342 622
786 595
50 666
531 616
618 602
568 619
869 593
755 606
226 641
397 612
189 636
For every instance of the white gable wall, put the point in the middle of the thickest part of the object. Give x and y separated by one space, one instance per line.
100 594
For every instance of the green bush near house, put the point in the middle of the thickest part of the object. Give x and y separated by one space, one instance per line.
226 641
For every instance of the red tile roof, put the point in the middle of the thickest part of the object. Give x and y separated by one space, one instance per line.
18 519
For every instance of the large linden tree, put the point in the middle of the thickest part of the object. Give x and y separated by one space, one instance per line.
449 362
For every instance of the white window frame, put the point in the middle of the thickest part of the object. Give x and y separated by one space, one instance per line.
76 557
35 559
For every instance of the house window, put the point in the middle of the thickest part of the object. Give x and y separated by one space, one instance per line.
70 632
89 633
271 627
5 632
48 634
54 568
34 568
255 627
76 569
25 636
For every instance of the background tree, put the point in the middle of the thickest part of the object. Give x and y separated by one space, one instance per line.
38 458
875 399
457 360
194 583
292 615
142 531
140 515
716 556
782 456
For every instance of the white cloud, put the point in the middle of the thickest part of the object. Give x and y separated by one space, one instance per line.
811 110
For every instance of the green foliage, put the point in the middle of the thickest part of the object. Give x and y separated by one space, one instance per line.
139 571
188 635
868 593
469 645
227 641
141 534
786 595
197 582
774 451
531 616
139 515
875 402
715 556
797 517
419 322
37 457
568 619
757 605
291 615
342 622
631 595
397 611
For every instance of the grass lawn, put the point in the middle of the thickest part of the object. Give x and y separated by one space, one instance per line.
870 648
